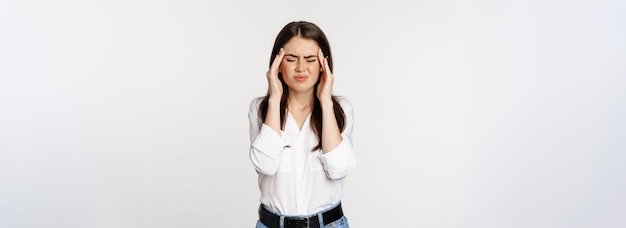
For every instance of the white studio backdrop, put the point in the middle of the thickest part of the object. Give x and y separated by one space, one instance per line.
468 113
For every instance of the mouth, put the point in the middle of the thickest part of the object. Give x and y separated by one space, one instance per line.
301 78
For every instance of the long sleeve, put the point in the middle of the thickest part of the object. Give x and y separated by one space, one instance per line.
266 146
340 161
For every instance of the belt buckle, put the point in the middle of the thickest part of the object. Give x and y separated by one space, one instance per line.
306 222
303 222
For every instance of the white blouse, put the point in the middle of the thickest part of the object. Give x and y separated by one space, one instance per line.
295 180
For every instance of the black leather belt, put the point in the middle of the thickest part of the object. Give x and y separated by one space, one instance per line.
273 221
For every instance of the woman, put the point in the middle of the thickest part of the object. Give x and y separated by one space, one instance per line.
301 135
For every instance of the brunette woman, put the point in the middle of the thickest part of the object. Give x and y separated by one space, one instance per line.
301 134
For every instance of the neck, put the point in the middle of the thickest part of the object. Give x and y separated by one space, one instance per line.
300 101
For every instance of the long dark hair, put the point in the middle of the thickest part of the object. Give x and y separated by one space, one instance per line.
305 30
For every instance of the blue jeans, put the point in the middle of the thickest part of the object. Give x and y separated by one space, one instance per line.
339 223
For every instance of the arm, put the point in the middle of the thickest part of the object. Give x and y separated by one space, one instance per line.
331 135
272 119
337 155
341 159
266 146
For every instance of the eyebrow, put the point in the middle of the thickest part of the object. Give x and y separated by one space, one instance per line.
296 56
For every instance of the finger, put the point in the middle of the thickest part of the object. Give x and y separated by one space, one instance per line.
281 54
275 62
327 66
320 58
278 59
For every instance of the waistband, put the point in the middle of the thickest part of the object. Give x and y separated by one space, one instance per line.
273 220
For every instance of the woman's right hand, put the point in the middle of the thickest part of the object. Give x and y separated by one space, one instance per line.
275 86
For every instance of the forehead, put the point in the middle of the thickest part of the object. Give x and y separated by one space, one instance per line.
301 46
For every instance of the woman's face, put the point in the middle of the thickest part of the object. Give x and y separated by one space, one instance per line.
300 66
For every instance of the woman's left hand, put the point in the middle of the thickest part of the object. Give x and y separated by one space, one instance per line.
325 88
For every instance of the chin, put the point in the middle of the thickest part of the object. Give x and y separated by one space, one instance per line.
301 88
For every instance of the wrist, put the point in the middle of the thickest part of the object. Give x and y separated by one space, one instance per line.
326 103
274 100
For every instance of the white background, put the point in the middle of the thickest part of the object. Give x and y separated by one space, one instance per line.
468 113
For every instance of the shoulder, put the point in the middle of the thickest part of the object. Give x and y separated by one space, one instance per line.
344 102
255 103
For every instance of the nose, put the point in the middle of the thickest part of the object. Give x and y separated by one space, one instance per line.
300 66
